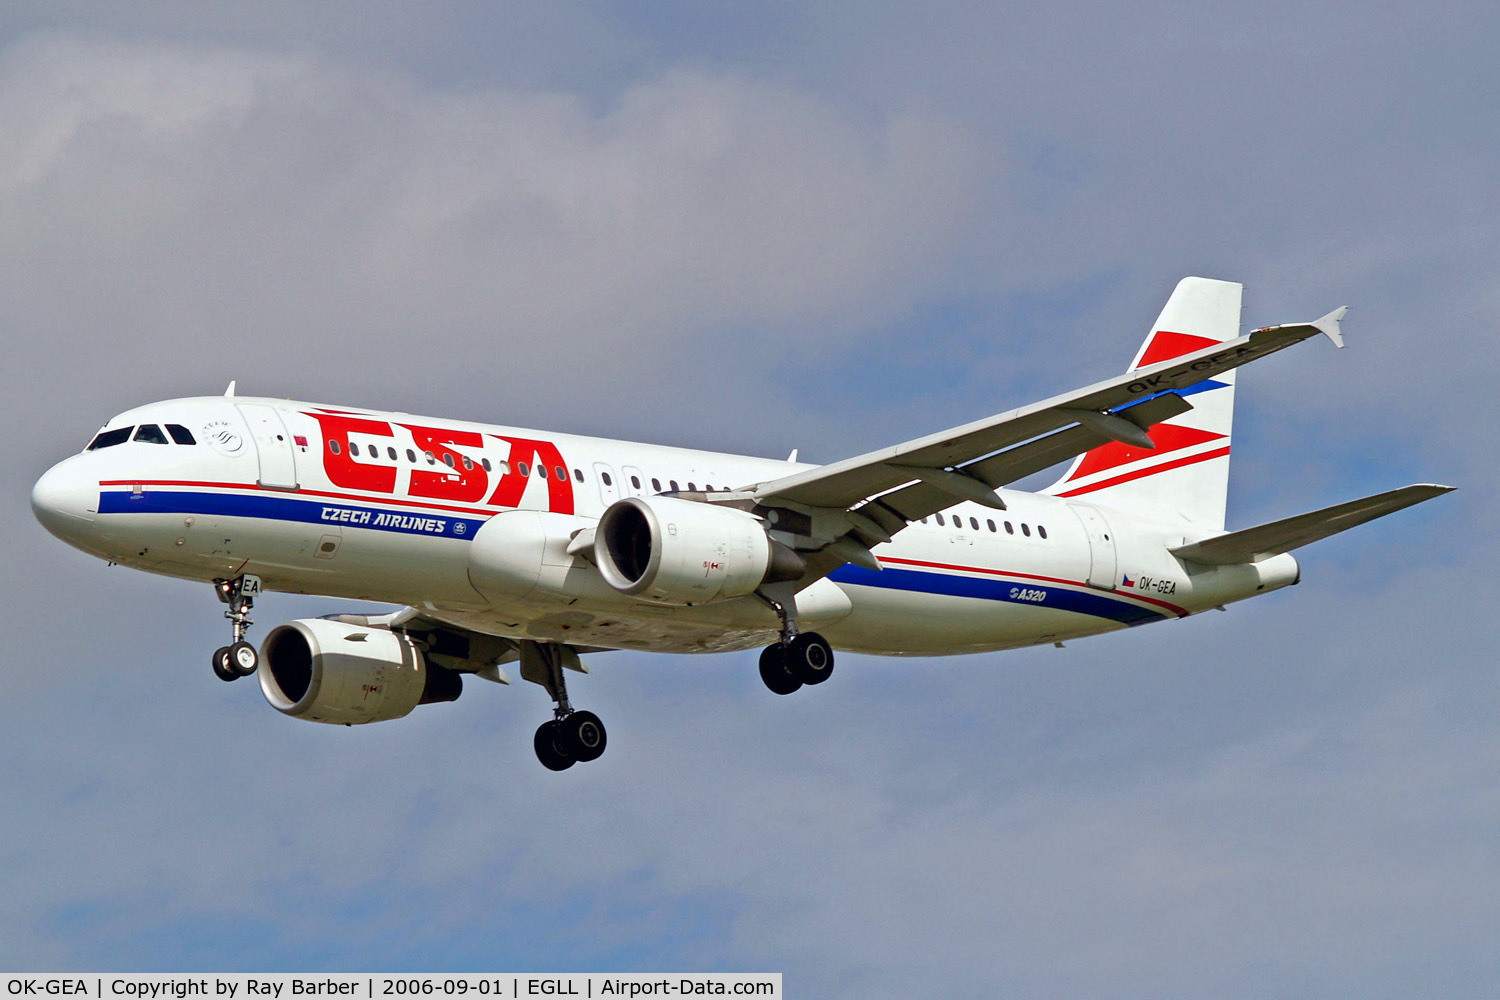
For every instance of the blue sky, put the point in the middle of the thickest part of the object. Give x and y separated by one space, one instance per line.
829 227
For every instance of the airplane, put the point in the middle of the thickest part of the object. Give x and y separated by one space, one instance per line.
505 546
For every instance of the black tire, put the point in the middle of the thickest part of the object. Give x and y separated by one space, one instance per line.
222 670
585 736
243 659
550 747
810 658
776 671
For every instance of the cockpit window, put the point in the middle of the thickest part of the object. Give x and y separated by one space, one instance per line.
150 434
108 439
181 434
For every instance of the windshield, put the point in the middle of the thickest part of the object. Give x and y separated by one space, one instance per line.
108 439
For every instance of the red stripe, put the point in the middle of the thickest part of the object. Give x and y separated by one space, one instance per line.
1139 473
1167 438
1029 576
1166 345
294 493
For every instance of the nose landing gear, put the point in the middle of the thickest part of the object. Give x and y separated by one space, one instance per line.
239 658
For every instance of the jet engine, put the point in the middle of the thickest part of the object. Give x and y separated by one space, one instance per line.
672 551
330 671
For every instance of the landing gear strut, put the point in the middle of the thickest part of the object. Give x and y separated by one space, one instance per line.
571 736
239 658
799 658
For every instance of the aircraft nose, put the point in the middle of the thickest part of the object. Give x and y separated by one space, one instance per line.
64 500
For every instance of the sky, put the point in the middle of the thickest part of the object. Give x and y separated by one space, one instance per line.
754 228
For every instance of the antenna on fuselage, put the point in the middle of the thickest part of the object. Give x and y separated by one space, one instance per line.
230 390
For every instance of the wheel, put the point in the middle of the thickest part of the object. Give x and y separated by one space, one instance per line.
809 658
585 736
222 670
551 749
243 659
776 672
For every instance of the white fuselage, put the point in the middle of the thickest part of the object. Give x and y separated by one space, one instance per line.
471 523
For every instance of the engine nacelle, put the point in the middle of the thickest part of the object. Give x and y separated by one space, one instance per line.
330 671
673 551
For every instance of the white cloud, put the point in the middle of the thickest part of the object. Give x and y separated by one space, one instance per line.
235 208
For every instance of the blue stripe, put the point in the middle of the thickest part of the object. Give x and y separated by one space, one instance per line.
1192 390
1030 594
282 508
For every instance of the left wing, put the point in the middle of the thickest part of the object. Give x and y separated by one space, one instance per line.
1267 540
862 501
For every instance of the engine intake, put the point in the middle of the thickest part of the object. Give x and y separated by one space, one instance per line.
330 671
672 551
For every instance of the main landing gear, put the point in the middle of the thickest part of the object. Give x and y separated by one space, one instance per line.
799 658
805 659
572 736
239 658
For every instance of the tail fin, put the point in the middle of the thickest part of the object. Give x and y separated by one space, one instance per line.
1187 475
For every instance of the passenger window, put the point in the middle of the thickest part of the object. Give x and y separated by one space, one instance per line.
672 483
924 520
150 434
578 474
504 468
607 481
692 488
991 523
562 474
656 484
523 469
333 446
108 439
353 449
485 463
391 454
635 482
1009 530
430 460
181 434
1043 531
940 521
411 456
1025 529
541 470
468 462
974 523
448 459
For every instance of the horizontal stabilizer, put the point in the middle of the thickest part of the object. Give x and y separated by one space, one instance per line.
1267 540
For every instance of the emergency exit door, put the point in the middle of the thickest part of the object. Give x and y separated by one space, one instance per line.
1102 562
278 463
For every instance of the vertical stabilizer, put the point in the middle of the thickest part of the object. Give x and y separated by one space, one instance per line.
1186 476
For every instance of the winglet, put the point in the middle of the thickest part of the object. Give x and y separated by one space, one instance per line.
230 391
1329 325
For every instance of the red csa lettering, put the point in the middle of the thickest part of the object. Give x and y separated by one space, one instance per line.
513 484
341 467
470 483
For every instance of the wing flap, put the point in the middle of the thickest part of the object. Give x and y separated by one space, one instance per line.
1276 537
